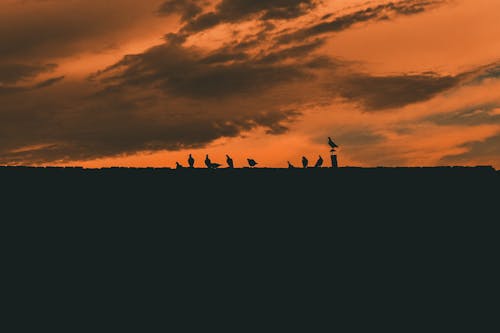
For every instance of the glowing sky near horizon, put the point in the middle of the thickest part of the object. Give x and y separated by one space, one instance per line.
145 83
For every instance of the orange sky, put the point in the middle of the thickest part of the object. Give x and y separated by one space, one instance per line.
97 84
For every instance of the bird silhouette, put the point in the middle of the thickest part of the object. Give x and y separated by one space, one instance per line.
332 144
215 166
230 162
191 161
319 163
251 162
178 165
208 163
305 162
290 165
211 165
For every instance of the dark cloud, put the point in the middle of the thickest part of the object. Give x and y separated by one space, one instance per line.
5 89
186 72
387 92
381 92
14 72
48 83
230 11
481 152
467 117
298 51
383 11
186 8
358 137
50 29
119 124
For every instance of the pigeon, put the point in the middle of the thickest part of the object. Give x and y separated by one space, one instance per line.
305 162
191 161
208 163
251 162
230 162
290 166
332 144
214 165
319 163
179 166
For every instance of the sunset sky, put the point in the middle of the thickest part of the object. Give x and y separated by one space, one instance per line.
145 83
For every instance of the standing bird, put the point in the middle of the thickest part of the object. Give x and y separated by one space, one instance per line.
319 163
305 162
230 162
251 162
290 165
208 163
191 161
332 144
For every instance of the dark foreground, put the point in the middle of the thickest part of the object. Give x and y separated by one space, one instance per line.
259 250
255 195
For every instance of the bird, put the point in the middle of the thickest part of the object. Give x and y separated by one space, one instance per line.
290 165
332 144
178 165
208 163
319 163
230 162
305 162
211 165
191 161
252 162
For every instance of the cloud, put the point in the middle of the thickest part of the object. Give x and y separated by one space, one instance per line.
187 8
52 29
340 23
187 72
117 125
478 152
393 91
6 89
14 72
231 11
472 116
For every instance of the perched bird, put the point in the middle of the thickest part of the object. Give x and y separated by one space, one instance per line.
251 162
211 165
319 163
332 144
230 162
179 166
305 162
191 161
208 163
290 166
